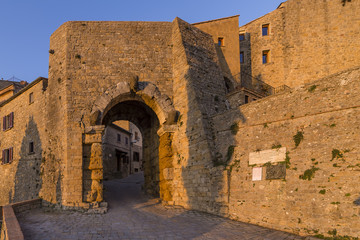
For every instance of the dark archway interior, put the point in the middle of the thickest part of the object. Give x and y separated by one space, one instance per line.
146 120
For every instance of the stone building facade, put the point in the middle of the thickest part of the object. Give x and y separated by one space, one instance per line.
122 150
305 40
116 152
287 161
10 88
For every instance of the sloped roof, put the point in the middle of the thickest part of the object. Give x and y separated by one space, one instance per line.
17 85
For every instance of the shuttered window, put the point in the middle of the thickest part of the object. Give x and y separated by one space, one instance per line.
7 155
8 121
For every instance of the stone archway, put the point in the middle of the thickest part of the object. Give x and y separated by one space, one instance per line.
143 104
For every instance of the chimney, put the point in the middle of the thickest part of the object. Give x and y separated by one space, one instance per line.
24 83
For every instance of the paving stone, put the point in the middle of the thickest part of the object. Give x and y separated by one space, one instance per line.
132 216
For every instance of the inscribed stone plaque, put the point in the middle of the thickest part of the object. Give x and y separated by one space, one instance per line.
257 173
276 171
271 155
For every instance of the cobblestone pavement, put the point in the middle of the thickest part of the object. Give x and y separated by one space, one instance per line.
133 216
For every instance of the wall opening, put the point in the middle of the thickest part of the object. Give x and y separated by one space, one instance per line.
122 150
137 147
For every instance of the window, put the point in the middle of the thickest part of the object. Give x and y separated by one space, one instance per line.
31 98
136 157
242 57
265 29
7 155
246 99
31 147
8 121
220 42
136 170
119 138
266 56
136 136
242 36
126 141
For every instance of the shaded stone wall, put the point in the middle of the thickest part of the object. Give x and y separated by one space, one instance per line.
318 125
228 53
24 178
307 40
199 92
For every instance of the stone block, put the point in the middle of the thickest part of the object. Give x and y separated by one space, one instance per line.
276 171
265 156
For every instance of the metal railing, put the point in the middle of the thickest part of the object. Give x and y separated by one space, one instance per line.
258 86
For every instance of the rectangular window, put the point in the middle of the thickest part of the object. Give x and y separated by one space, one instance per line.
136 157
31 147
126 141
242 57
119 138
242 36
265 29
31 98
246 99
137 136
220 42
7 155
266 56
8 121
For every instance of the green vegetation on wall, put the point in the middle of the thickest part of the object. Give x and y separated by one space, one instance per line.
309 173
298 137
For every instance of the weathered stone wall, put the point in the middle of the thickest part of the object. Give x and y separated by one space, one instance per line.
307 40
228 53
23 178
199 92
100 55
315 131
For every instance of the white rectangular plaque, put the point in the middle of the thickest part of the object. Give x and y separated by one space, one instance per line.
271 155
257 173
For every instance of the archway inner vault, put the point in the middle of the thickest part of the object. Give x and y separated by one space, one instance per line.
156 118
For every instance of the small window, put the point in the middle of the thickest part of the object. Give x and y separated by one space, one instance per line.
246 99
242 57
31 98
265 29
266 56
31 147
136 170
254 99
126 141
242 36
220 42
137 136
8 121
119 138
7 155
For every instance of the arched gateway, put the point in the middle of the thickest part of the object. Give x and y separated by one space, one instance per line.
143 104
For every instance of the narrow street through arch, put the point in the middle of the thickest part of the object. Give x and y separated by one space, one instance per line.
132 215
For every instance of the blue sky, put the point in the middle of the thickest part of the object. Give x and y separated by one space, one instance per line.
26 26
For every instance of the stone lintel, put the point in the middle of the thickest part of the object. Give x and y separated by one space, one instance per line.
94 134
167 129
94 129
265 156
